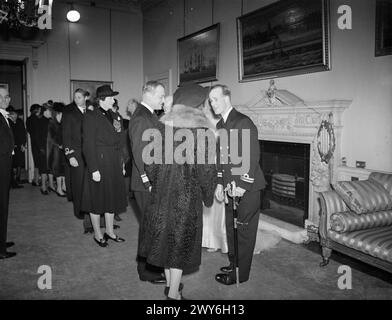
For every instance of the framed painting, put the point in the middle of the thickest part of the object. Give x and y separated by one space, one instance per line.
198 55
283 39
383 28
5 86
90 86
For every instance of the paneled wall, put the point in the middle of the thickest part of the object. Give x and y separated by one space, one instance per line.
356 73
105 45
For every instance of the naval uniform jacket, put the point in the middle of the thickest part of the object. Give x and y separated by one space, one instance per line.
72 132
253 179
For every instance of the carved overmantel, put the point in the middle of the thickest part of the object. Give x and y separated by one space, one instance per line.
300 124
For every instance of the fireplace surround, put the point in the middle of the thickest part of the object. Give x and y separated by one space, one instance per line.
300 124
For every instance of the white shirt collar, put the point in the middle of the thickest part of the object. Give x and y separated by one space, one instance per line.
226 115
82 110
5 114
147 106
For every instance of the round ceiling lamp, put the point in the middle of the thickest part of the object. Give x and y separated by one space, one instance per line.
73 15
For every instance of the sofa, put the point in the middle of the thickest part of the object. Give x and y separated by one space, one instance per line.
356 220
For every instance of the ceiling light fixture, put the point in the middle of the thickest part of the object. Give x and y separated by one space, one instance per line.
73 15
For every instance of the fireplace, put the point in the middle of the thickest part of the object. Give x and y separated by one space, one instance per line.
286 170
293 130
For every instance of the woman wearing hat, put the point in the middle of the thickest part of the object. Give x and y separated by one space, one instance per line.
37 126
104 188
172 233
56 157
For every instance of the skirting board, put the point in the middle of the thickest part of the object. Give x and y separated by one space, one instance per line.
286 230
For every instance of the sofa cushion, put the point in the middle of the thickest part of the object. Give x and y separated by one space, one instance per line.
383 178
350 221
377 241
364 196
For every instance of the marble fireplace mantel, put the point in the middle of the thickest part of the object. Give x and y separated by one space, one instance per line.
300 124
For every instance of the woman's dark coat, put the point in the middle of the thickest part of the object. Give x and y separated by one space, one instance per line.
56 157
102 147
37 127
171 235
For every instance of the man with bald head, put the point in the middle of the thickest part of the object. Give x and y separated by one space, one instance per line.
6 150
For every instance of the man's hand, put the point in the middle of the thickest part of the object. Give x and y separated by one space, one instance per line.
96 176
73 162
219 194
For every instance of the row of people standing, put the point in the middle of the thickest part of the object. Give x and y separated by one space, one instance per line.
44 127
94 140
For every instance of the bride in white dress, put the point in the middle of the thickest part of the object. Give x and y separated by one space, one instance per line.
214 223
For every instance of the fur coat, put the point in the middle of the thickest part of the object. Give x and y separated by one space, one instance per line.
171 235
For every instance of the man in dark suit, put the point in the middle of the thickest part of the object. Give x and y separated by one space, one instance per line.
142 119
248 178
6 151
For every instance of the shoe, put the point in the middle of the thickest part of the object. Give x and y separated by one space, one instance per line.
116 239
7 255
160 280
226 278
52 189
60 195
9 244
88 230
181 298
166 291
102 243
117 217
44 192
212 250
227 269
116 226
35 184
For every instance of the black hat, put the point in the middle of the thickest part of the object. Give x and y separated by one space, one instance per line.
10 109
191 95
105 91
34 107
58 106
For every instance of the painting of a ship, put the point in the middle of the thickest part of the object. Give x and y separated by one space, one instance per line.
285 38
198 56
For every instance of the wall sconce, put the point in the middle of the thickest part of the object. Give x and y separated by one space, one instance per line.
73 15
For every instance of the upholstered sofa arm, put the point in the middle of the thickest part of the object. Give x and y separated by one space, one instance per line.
330 203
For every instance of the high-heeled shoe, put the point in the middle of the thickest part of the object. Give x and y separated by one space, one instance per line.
116 239
166 291
60 195
44 192
102 242
181 298
52 189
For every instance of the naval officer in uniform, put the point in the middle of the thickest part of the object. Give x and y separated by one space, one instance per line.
248 184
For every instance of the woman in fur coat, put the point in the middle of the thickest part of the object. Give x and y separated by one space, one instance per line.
172 234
